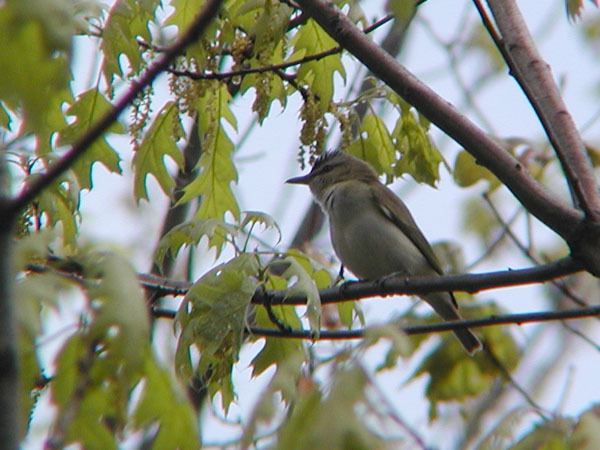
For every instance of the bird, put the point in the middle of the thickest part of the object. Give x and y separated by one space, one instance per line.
372 231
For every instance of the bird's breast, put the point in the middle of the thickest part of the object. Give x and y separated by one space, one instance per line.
367 242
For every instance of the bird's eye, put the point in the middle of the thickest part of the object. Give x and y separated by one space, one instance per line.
326 169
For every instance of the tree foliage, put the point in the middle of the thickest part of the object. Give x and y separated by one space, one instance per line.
169 78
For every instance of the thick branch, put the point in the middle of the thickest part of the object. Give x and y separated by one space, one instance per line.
82 144
548 208
10 423
535 78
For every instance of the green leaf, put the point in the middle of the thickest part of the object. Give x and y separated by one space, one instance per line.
300 269
30 373
266 24
374 145
401 345
59 19
548 435
480 221
420 158
284 382
40 72
402 10
32 248
61 204
190 233
454 375
88 109
275 349
217 171
4 117
467 172
88 427
586 433
212 318
64 382
311 423
163 402
150 155
269 29
127 20
502 434
346 313
184 13
122 305
311 39
258 217
574 8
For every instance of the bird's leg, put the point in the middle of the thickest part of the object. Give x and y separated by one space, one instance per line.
381 281
340 276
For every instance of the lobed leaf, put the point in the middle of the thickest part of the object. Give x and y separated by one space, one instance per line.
127 20
190 233
149 158
331 422
90 106
319 74
419 156
212 318
375 145
217 170
41 71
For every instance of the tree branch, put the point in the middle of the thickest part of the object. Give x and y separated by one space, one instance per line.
195 30
421 285
354 290
504 319
10 419
548 208
534 76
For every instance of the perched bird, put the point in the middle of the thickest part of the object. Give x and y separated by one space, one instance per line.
373 232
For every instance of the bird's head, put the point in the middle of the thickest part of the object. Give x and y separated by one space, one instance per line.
332 168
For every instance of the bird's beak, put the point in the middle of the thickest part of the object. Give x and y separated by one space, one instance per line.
305 179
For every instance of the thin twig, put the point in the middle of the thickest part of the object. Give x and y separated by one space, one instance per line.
503 233
393 413
561 286
580 335
505 319
506 374
274 67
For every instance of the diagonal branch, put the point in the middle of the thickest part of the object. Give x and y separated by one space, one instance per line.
195 30
548 208
534 76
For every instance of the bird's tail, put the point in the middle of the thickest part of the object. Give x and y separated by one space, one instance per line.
445 305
